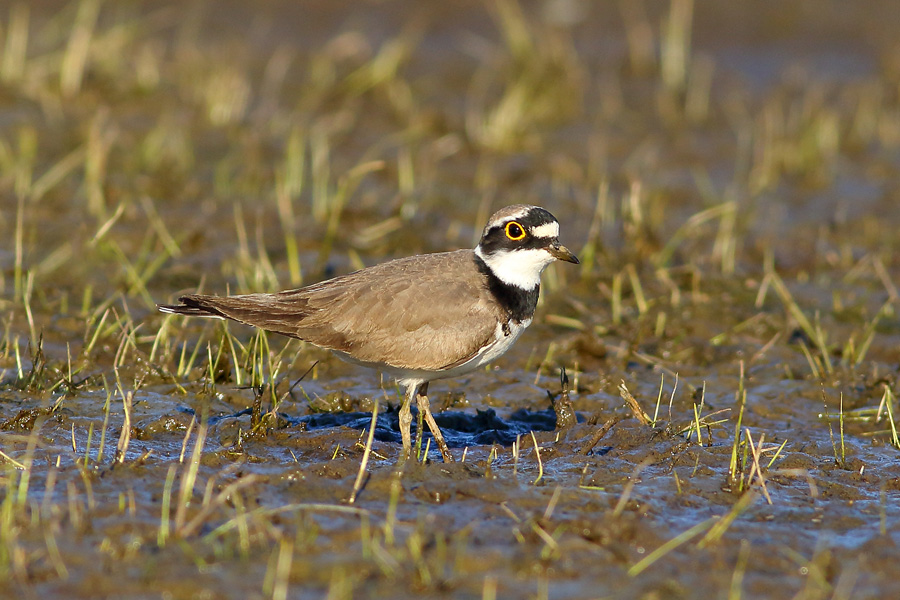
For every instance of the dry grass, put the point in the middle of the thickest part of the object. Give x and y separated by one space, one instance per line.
738 246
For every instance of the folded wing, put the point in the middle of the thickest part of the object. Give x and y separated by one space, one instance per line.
423 312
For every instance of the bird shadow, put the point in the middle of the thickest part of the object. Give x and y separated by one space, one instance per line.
460 429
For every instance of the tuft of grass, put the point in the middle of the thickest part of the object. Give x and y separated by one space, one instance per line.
277 584
755 469
675 49
839 457
199 131
677 541
887 403
189 476
701 421
541 80
537 456
289 185
360 476
724 244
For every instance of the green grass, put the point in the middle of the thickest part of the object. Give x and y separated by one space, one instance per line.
738 249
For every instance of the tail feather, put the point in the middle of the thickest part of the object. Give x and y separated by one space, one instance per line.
258 310
188 311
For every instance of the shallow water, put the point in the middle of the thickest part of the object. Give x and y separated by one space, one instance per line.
737 227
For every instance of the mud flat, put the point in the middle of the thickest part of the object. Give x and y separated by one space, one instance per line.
727 172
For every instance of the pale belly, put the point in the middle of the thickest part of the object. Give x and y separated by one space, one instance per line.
499 345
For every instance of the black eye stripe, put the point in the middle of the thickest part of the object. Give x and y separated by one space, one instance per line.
496 237
497 241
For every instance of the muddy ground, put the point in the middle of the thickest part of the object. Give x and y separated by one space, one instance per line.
729 174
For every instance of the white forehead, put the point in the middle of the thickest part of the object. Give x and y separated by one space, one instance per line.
547 230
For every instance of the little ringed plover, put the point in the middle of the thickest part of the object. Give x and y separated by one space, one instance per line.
419 318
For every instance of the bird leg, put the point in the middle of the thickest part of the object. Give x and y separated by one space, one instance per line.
425 409
417 444
406 419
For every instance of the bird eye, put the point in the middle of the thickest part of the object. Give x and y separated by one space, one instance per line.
514 231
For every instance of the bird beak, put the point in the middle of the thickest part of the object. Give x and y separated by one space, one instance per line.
560 252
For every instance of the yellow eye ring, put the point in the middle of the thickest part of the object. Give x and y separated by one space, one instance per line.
515 231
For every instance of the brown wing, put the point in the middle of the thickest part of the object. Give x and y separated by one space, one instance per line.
423 312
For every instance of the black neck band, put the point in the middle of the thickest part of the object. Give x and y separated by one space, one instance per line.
518 303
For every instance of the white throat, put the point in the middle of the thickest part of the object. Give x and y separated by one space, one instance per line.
521 268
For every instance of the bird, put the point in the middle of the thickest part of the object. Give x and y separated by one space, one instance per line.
418 318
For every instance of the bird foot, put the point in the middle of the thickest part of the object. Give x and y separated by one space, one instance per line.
425 409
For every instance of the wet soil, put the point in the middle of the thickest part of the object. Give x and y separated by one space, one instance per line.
737 225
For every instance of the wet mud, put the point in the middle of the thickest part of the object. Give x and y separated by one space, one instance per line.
726 426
